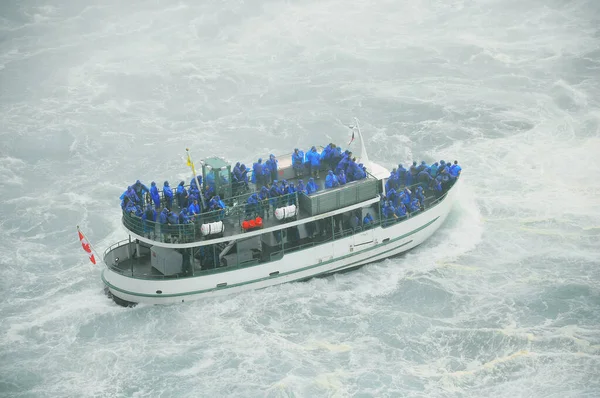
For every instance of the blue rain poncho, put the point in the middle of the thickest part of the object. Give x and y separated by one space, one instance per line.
433 170
414 205
183 217
140 189
331 180
301 187
342 177
168 194
194 208
163 217
298 159
311 187
154 195
401 210
172 218
455 169
256 170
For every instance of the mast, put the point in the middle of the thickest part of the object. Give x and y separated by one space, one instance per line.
364 158
191 164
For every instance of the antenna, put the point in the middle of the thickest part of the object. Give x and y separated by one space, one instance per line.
364 158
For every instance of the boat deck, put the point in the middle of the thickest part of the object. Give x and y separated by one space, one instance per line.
237 211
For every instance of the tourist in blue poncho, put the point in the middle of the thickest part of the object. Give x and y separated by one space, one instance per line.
257 172
154 195
140 189
401 211
368 220
298 162
331 180
311 187
342 177
168 195
182 195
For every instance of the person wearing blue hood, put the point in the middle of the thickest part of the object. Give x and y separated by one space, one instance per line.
154 195
433 170
401 211
342 177
128 196
252 206
266 174
442 167
437 188
392 196
300 188
184 217
140 189
274 193
419 194
389 212
130 208
298 162
257 173
414 206
148 221
163 222
168 195
423 178
368 221
272 163
311 187
315 161
401 175
182 195
194 208
172 218
291 192
331 180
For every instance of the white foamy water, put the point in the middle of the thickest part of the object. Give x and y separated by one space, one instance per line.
504 300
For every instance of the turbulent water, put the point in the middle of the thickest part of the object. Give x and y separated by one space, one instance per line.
504 300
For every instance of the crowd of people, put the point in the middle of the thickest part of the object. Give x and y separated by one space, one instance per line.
399 200
342 168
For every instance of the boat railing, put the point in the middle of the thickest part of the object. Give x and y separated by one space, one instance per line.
115 245
232 217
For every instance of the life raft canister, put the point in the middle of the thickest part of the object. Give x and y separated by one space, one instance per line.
285 212
212 228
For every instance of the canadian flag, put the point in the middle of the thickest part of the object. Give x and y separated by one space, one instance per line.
86 246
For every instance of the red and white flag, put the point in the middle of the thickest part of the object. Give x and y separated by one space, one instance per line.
86 246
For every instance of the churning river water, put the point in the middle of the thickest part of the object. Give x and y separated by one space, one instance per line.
503 301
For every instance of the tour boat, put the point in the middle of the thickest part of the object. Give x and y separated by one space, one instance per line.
293 238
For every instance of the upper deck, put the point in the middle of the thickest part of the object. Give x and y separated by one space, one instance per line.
237 210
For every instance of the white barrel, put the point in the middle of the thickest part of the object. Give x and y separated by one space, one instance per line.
285 212
212 228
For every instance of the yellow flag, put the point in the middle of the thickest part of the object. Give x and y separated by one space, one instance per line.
189 161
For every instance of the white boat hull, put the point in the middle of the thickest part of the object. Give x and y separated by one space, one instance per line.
334 256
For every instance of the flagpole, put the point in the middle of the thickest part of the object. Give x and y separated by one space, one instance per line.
189 158
364 158
91 247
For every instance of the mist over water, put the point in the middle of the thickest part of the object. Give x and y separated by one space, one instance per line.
504 300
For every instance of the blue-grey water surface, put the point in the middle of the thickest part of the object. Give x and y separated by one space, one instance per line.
503 301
